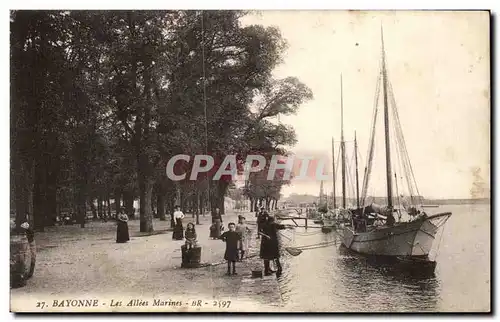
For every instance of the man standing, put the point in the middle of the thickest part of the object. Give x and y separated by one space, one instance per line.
269 245
261 220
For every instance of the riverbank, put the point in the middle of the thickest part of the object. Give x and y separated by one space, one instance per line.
75 263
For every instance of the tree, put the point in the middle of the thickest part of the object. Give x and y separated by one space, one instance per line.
101 100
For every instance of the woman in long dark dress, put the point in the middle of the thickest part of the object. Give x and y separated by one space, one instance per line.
122 235
269 245
178 233
232 239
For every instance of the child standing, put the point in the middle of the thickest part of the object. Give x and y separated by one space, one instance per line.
245 234
232 239
190 236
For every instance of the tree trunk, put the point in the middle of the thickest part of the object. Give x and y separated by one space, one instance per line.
182 201
118 197
197 206
24 187
81 210
146 217
99 207
161 205
171 211
154 205
38 197
52 160
251 205
221 205
128 200
109 207
23 111
192 205
93 208
51 201
201 204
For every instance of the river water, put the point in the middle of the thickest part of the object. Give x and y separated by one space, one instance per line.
334 280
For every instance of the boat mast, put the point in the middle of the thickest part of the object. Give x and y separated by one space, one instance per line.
326 198
321 194
333 166
356 163
386 121
342 143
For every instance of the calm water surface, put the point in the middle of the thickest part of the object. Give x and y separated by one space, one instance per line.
332 279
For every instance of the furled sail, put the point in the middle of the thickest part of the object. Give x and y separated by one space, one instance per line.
371 146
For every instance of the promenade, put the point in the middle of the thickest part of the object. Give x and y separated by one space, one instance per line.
75 263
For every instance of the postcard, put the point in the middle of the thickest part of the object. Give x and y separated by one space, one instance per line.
250 161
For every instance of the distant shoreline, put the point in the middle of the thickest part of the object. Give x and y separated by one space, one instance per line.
482 201
296 199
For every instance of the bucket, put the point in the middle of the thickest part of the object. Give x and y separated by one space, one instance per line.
190 257
256 273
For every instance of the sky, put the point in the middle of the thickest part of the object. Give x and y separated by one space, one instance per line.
438 65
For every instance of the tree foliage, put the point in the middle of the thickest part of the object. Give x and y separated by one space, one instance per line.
100 100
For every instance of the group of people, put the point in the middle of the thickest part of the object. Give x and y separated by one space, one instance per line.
179 234
237 240
237 237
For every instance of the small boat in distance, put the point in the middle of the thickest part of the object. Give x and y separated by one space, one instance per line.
374 230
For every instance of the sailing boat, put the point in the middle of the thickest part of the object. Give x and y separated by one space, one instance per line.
325 218
338 214
374 230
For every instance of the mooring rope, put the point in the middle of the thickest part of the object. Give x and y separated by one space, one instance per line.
439 244
317 245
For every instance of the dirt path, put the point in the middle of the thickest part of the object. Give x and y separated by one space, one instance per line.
81 263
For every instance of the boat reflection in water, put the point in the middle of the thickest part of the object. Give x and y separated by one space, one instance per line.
344 281
383 286
394 266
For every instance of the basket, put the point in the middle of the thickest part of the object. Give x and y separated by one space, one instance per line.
22 259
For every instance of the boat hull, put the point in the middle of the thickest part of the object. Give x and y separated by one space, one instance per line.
326 229
412 239
328 225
